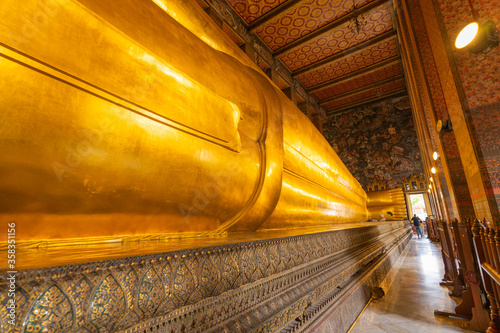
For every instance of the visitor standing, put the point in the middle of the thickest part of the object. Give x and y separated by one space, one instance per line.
416 222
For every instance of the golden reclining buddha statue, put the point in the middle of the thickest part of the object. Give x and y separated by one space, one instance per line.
132 119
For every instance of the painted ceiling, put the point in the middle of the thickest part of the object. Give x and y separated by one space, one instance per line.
344 52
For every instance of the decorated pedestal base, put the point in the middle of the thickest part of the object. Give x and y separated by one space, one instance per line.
303 283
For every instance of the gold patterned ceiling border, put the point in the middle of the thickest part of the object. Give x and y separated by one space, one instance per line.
339 39
362 71
359 81
361 89
375 91
347 107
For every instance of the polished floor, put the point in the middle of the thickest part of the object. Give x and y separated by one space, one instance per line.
411 295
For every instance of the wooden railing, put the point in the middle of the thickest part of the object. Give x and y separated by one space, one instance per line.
471 256
487 244
451 278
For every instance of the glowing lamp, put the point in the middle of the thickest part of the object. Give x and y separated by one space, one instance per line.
433 170
435 155
466 35
478 39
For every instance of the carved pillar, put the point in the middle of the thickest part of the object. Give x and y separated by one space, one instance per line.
316 116
306 109
273 75
318 121
214 15
250 52
291 93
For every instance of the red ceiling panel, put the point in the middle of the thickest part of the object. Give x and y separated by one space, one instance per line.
391 70
351 99
301 20
341 54
392 86
369 93
356 61
378 21
250 10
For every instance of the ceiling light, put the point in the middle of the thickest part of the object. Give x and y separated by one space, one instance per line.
430 186
435 155
433 170
432 179
478 39
358 20
429 191
466 35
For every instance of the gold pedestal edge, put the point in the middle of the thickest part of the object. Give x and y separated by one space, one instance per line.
199 289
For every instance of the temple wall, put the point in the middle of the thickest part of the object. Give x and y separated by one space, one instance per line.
452 86
478 78
377 141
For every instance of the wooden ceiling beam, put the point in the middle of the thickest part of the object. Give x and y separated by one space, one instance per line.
273 13
361 89
347 52
361 71
342 108
328 27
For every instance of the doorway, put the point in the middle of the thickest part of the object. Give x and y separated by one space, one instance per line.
418 205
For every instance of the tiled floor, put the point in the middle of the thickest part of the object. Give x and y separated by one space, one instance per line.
415 293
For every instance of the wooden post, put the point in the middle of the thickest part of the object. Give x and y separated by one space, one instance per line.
493 262
466 305
291 93
478 231
447 264
471 307
273 75
458 284
472 295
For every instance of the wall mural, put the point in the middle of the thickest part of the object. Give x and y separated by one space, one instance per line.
377 141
